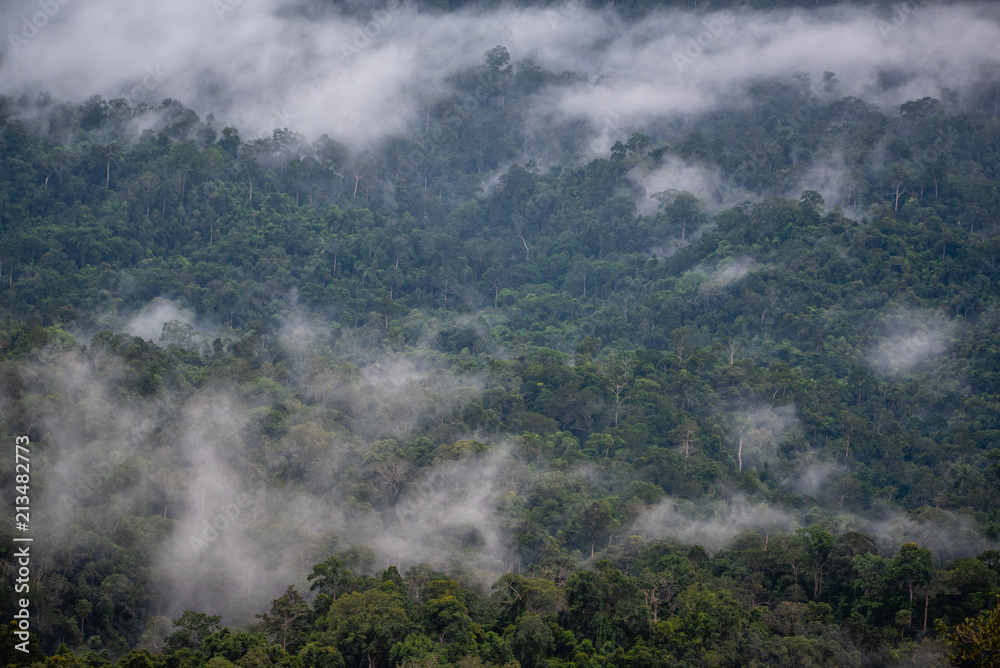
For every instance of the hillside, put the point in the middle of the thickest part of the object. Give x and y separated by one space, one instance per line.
469 395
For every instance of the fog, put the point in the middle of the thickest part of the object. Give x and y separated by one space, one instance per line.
193 473
758 431
272 63
733 270
910 341
715 525
237 517
702 182
147 323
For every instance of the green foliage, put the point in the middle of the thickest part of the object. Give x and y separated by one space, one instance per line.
193 628
626 373
976 642
317 655
532 640
366 625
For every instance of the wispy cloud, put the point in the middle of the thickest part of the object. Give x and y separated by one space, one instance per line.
266 56
909 339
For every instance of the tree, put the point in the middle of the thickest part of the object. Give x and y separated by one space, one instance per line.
289 614
811 201
448 617
83 610
912 566
598 518
901 174
660 588
637 143
317 655
498 60
940 583
818 544
498 74
365 625
233 646
685 437
840 572
606 605
140 658
680 208
192 630
330 578
357 559
976 642
532 641
708 624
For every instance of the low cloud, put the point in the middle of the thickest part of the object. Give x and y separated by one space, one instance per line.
732 270
762 430
715 525
394 395
147 323
946 534
276 63
909 340
811 478
678 174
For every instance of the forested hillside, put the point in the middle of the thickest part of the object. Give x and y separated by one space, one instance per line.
470 396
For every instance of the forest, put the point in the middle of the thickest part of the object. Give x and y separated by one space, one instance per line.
720 390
